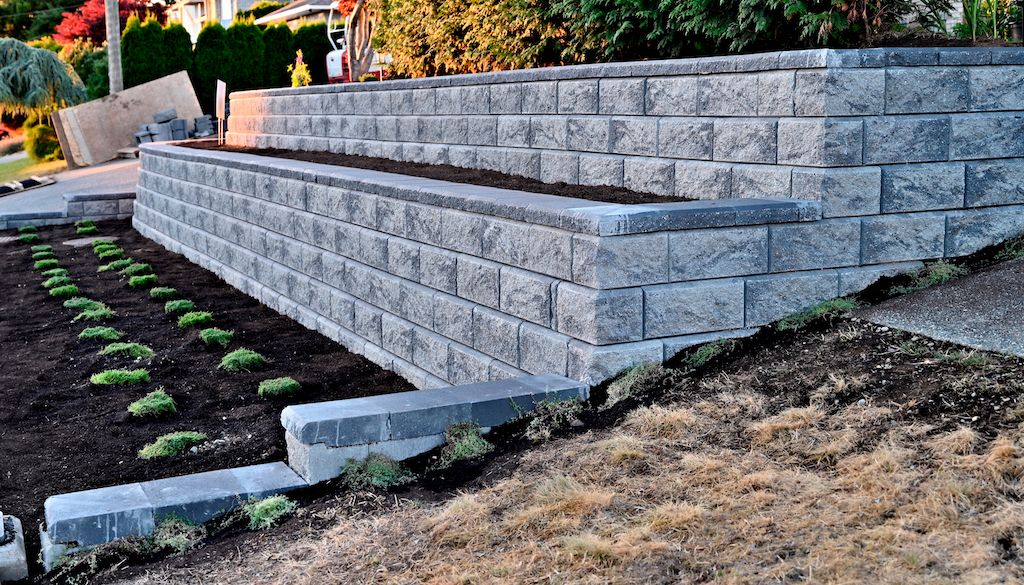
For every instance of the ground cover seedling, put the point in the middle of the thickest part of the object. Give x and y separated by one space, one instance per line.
111 377
100 334
215 336
28 238
46 255
64 292
111 254
99 249
82 304
376 471
99 314
46 264
55 281
85 223
242 360
275 387
28 229
55 272
142 281
137 269
42 248
640 379
824 310
549 416
162 293
156 403
967 359
1012 250
176 535
931 275
463 442
179 306
708 352
171 444
195 319
88 230
134 350
267 512
116 265
101 242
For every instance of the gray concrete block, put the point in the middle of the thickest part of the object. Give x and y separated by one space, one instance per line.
540 97
601 169
560 167
548 132
513 130
453 318
595 364
423 223
770 298
922 187
842 192
496 334
813 245
577 96
467 366
525 295
397 336
542 351
621 96
760 181
13 561
978 136
680 309
462 232
621 261
475 99
745 140
994 183
403 258
438 269
727 95
649 175
430 352
685 138
588 134
523 162
775 93
483 130
920 90
820 142
906 139
634 135
970 231
367 322
599 316
477 280
506 98
97 516
703 180
997 88
840 92
548 251
720 252
897 238
672 96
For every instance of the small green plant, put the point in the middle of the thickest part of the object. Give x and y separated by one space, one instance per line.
823 310
42 248
137 269
99 314
215 336
82 304
43 255
64 292
268 512
967 359
85 223
162 293
278 387
376 471
179 306
100 242
116 265
176 535
931 275
552 415
709 351
156 403
46 264
55 272
87 230
111 254
171 444
242 360
1011 250
28 229
142 281
638 380
28 238
55 281
195 319
133 350
463 442
100 334
100 248
111 377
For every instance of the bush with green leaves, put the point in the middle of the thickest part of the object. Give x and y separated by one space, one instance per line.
311 39
215 336
195 319
242 360
278 48
55 272
171 444
244 42
142 281
114 377
99 314
28 238
55 281
137 269
82 304
376 471
162 293
156 403
128 349
276 387
179 306
46 264
116 265
209 63
267 512
64 292
463 442
100 334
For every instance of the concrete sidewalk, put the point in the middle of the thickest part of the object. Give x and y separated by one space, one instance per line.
983 310
49 204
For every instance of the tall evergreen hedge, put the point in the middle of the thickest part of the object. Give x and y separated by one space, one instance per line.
278 54
210 63
311 39
177 49
244 46
142 51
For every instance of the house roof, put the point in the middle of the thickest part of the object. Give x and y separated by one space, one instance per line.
295 10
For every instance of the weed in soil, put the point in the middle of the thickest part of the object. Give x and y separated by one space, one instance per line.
242 360
87 231
132 350
179 306
825 310
28 238
156 403
463 442
82 304
47 255
163 293
142 281
276 387
931 275
708 352
112 377
55 272
28 229
1011 250
55 281
46 264
176 535
376 471
638 379
137 269
195 319
550 416
964 359
111 254
42 248
64 292
99 314
267 512
171 444
100 334
116 265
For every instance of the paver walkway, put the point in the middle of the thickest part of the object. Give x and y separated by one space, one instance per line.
984 310
118 176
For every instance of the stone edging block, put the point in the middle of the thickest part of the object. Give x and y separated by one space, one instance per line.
13 562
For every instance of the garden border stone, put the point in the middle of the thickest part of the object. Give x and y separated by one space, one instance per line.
13 562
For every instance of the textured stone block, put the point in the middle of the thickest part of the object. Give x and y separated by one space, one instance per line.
820 142
842 192
588 134
577 96
759 181
820 244
599 316
714 253
466 366
685 138
896 238
775 93
621 261
994 183
101 515
634 135
475 99
548 132
922 187
438 269
477 280
462 232
840 92
922 90
727 95
525 295
430 352
772 298
970 231
905 139
549 251
680 309
497 334
703 180
513 130
597 169
997 88
672 96
977 136
540 97
396 336
595 364
542 351
482 130
621 96
403 258
649 175
745 140
453 318
506 98
560 167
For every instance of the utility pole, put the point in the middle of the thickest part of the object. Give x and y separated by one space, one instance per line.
114 45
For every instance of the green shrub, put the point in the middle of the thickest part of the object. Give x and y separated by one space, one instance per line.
162 293
267 512
156 403
42 248
43 255
215 336
242 360
133 350
116 265
111 377
931 275
64 292
100 334
46 264
82 304
179 306
463 442
41 142
549 416
111 254
376 471
278 48
311 39
28 229
28 238
824 310
195 319
87 231
171 444
55 281
137 269
278 387
85 223
209 63
55 272
142 281
177 49
99 314
244 41
142 51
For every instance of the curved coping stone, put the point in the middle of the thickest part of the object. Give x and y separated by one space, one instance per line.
98 516
576 215
424 413
802 59
100 196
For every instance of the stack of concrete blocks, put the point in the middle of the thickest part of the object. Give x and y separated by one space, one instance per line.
817 172
13 562
166 126
204 126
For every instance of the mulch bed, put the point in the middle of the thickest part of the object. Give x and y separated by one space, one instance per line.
451 173
59 434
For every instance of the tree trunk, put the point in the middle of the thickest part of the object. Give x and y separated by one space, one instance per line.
359 28
114 45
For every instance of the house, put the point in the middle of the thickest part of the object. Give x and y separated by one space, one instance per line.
298 13
195 14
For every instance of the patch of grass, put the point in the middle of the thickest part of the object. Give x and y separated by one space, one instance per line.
709 351
966 359
43 255
111 254
42 248
195 319
64 292
142 281
376 471
639 379
278 387
87 230
171 444
116 265
137 269
156 403
111 377
242 360
174 535
823 310
55 281
133 350
931 275
85 223
100 334
28 238
99 314
46 264
268 512
82 304
463 442
162 293
550 416
55 272
179 306
28 229
215 336
100 248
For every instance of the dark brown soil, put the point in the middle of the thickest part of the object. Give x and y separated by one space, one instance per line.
450 173
60 434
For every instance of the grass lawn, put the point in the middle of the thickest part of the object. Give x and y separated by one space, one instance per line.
25 168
